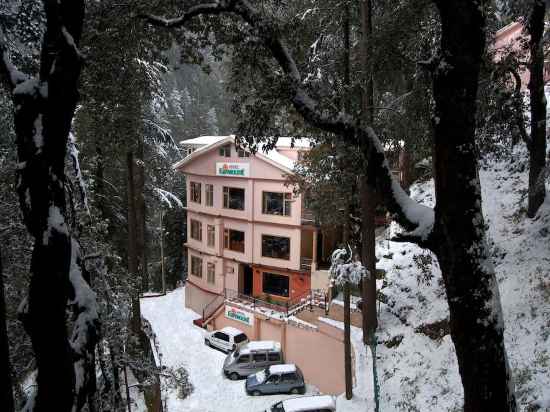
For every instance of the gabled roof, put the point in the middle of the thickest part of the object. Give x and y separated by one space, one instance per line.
272 156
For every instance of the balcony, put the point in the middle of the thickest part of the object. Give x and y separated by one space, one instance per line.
278 309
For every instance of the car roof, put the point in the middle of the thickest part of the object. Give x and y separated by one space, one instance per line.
259 345
285 368
306 403
231 331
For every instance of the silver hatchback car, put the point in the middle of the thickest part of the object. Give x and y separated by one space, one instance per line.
251 358
276 379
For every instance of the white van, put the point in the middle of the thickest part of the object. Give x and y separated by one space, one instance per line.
226 339
319 403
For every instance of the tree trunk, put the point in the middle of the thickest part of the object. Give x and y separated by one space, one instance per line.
347 342
141 232
6 384
458 238
135 322
537 146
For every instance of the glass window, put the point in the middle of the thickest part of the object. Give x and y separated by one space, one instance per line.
233 198
196 266
211 273
225 151
209 190
272 357
210 235
274 203
275 284
276 247
289 377
240 338
233 240
259 357
222 336
196 230
243 359
273 378
196 192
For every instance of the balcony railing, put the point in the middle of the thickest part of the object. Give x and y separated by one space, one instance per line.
305 263
308 218
309 299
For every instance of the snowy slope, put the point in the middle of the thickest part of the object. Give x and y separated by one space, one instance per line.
421 372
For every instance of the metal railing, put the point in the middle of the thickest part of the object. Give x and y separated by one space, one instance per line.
308 299
212 307
305 263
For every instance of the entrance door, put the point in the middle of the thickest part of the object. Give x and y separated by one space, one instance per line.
248 280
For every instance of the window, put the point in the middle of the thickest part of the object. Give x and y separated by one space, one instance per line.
259 357
196 230
243 153
240 338
221 336
233 198
273 357
273 378
209 189
225 151
211 273
275 284
243 359
274 203
195 192
276 247
233 240
210 235
196 266
289 377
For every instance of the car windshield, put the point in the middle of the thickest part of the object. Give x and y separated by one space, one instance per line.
260 376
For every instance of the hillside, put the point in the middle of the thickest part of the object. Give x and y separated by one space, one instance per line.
417 364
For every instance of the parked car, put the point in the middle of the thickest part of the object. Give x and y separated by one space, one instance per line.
251 358
285 378
226 339
319 403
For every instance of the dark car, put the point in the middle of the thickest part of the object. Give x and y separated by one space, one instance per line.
286 378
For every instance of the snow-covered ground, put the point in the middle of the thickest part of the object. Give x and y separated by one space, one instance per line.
182 345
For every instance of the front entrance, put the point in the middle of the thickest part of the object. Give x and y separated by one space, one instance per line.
248 280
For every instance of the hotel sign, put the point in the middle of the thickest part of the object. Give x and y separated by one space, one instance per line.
231 312
232 169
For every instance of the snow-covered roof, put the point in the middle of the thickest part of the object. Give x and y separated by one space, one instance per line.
306 403
285 368
258 345
272 156
203 140
231 331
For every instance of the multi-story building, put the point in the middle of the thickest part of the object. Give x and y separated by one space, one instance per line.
248 233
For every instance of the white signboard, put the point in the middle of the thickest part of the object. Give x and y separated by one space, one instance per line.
231 312
232 169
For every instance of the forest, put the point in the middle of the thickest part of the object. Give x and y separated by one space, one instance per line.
426 153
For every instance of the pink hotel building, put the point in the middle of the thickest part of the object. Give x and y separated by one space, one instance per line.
248 235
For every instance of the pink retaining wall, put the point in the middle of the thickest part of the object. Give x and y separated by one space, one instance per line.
318 352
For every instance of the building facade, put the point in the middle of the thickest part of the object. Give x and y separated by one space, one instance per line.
247 233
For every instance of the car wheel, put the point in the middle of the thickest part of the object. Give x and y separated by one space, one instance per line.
295 391
256 393
234 376
207 342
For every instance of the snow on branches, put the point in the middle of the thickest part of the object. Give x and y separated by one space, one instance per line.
344 269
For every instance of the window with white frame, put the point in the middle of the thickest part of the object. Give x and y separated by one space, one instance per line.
196 266
233 240
233 198
211 235
243 153
209 191
196 230
276 203
225 151
195 192
211 273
